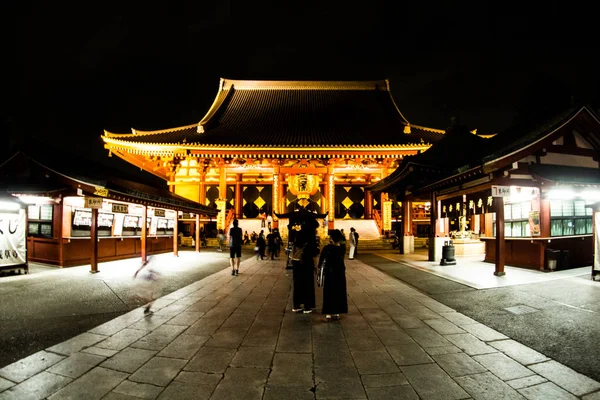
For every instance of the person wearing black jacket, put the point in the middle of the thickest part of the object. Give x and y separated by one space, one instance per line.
305 250
335 296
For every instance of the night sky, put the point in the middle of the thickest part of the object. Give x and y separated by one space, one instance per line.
75 69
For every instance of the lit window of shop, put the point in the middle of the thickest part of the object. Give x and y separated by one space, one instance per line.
570 217
516 219
40 220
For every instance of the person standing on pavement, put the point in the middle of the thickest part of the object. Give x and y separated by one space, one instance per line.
352 244
271 237
235 247
261 243
263 217
269 222
305 249
335 297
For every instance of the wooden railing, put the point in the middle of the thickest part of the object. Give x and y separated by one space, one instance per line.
228 218
378 221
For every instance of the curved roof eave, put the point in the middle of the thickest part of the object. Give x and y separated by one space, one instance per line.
180 147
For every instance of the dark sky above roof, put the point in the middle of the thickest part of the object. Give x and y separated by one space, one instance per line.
79 68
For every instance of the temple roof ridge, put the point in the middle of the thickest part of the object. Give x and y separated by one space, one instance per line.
239 84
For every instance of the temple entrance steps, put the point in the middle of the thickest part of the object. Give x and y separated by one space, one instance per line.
366 228
252 224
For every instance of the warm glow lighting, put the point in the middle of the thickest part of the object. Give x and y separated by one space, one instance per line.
591 194
518 193
9 206
561 194
34 199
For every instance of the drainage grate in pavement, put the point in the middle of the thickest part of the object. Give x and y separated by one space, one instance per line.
518 310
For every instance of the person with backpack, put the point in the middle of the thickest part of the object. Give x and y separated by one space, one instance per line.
303 255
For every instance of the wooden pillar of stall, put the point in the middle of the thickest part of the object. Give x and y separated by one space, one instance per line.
144 238
500 243
238 196
325 194
175 236
432 226
197 232
94 240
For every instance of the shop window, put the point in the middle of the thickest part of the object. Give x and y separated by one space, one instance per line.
516 219
570 217
40 220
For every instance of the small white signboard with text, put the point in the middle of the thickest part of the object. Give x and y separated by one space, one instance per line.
500 191
13 247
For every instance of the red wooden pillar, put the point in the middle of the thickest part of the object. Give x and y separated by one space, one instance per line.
369 204
94 239
406 218
197 232
238 196
176 236
145 235
499 206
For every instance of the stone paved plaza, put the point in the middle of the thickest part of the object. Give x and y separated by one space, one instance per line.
227 337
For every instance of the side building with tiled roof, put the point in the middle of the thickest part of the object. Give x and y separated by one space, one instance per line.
276 146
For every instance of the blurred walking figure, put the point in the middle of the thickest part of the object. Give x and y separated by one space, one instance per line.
221 240
147 286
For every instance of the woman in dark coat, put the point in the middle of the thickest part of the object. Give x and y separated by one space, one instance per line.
261 243
335 298
304 269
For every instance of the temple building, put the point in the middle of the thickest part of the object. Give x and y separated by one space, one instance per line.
277 146
528 196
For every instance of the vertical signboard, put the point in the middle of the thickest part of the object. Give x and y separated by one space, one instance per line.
222 213
13 250
387 215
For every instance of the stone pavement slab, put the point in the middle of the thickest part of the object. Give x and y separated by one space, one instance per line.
227 337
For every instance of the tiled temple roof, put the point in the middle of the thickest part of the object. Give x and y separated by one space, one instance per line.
296 114
449 157
38 171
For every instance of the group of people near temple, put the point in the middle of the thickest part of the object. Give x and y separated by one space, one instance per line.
308 260
305 252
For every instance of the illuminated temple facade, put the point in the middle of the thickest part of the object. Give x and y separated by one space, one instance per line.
277 146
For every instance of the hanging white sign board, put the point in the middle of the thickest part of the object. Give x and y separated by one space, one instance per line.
13 247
